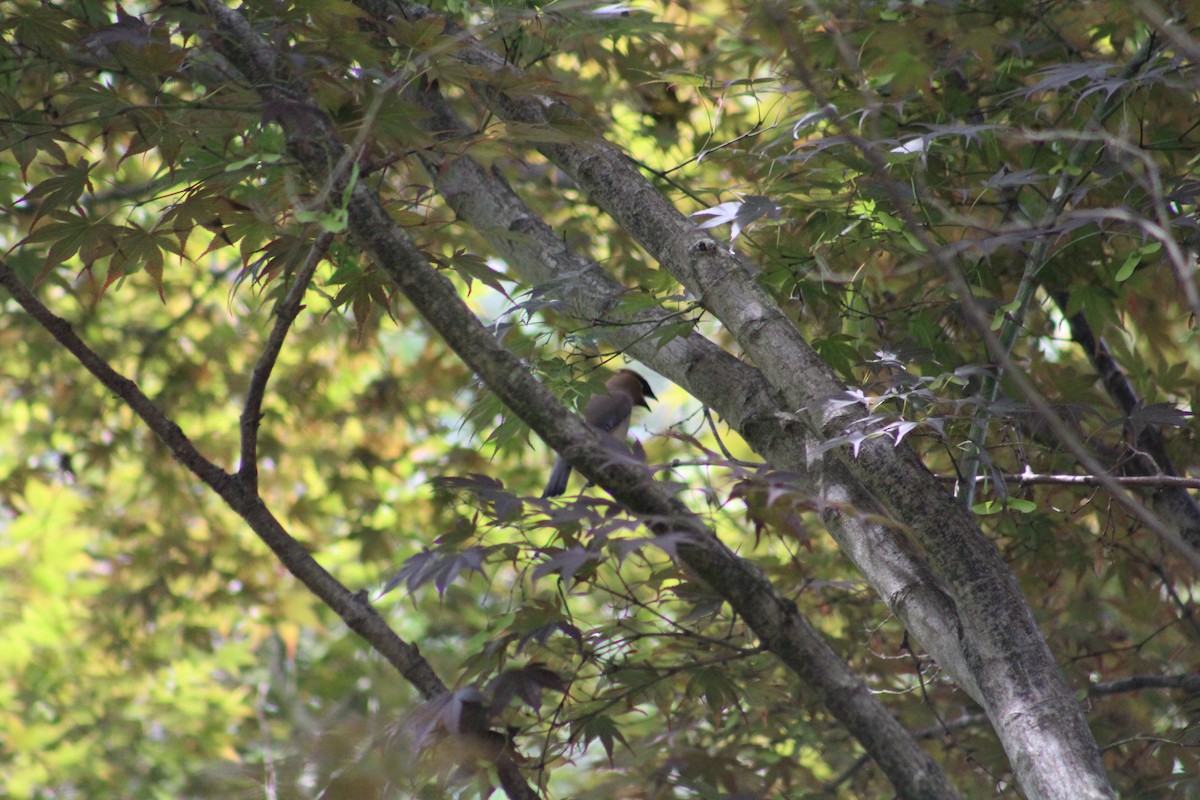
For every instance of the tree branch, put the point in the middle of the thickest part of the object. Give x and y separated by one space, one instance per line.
1026 695
354 609
1188 683
285 314
1064 193
1032 478
778 623
1151 458
1022 687
738 391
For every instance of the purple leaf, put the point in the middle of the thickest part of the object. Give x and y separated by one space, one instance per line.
1158 414
527 683
441 567
566 564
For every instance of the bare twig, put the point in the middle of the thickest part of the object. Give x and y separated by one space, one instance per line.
1150 458
285 314
1144 481
1069 181
712 426
1135 683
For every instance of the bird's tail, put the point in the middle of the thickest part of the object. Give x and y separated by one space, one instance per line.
558 478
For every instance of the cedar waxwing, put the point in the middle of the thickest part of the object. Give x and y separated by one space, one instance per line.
609 412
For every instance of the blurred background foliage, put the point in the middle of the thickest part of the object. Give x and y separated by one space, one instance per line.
153 646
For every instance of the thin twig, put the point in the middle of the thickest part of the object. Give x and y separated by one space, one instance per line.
286 312
1031 478
1135 683
712 426
1069 182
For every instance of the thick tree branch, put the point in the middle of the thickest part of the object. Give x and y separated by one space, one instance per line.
1023 690
1051 777
776 621
736 390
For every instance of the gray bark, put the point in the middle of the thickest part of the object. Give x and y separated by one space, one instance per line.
314 143
999 652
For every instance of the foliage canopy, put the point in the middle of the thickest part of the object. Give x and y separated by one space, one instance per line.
963 303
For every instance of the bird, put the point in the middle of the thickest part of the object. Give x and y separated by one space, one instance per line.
609 411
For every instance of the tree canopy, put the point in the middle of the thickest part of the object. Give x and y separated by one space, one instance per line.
298 298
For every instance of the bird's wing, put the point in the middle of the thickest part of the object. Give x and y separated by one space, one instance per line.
609 412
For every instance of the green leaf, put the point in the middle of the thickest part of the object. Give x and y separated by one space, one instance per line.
62 191
71 234
1127 268
332 221
1009 503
